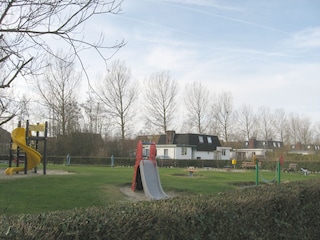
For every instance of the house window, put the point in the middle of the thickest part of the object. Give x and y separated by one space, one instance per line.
223 152
278 144
201 139
145 152
209 140
184 151
274 144
165 152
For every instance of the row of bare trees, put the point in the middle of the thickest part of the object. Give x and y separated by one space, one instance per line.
115 104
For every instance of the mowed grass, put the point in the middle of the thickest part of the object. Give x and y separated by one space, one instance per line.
100 186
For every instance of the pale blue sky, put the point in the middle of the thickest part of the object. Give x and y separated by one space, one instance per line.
266 53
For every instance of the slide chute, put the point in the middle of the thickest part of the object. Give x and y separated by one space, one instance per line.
18 136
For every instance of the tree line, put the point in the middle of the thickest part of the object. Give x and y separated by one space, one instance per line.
119 107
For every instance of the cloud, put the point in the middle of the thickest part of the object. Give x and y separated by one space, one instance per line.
307 38
206 3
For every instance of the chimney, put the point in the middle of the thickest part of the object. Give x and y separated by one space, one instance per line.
252 142
298 146
170 136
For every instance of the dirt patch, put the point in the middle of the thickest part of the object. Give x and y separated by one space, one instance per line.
134 196
32 173
137 196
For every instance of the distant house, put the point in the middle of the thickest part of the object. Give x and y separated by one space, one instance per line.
5 139
191 146
304 149
256 147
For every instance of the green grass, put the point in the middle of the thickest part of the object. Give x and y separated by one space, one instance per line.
99 186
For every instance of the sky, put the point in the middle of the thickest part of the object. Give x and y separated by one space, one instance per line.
266 53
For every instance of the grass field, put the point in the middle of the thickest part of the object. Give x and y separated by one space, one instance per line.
100 186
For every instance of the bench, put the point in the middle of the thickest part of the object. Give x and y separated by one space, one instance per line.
191 170
248 165
291 168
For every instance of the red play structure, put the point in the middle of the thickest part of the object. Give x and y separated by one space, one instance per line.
140 155
145 175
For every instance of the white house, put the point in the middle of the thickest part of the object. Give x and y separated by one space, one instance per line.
191 146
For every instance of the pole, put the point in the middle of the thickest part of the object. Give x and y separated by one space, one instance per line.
279 172
257 172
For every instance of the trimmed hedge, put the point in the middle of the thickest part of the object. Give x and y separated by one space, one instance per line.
286 211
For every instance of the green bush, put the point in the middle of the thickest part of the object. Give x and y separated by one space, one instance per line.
285 211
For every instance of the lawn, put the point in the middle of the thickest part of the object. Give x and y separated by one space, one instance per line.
100 186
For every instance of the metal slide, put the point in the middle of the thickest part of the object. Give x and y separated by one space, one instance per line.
18 136
151 180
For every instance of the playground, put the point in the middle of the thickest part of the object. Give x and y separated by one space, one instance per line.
85 186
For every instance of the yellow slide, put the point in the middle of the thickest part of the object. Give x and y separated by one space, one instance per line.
18 136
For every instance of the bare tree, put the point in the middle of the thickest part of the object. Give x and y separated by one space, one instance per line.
97 120
8 107
246 120
29 30
118 94
57 89
265 121
293 121
280 120
300 129
304 129
316 135
197 106
160 92
223 113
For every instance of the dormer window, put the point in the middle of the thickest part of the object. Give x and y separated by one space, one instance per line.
209 140
201 139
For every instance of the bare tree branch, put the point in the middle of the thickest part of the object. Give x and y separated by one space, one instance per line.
28 28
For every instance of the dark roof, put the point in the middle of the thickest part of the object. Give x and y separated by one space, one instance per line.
5 136
200 141
263 144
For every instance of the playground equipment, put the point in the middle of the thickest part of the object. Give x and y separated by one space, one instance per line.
278 172
146 176
23 140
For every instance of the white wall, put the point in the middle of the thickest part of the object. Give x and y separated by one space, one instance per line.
175 152
223 153
204 155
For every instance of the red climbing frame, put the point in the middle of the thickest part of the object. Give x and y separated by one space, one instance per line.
139 157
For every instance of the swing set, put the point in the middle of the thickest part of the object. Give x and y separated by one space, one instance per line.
277 177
